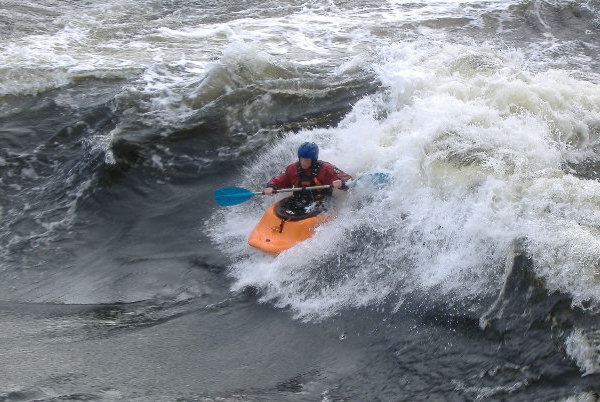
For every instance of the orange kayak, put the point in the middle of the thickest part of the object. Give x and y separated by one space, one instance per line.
277 231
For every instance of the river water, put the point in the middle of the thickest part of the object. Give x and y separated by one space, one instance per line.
473 275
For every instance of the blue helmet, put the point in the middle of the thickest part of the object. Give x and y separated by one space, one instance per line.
309 150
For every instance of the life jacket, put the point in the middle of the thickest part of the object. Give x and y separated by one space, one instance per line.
310 180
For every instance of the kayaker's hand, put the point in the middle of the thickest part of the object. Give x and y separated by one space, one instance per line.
337 184
268 191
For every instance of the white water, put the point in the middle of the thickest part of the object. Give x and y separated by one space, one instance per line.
475 134
480 137
167 50
476 144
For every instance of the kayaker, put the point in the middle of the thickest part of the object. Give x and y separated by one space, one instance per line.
308 171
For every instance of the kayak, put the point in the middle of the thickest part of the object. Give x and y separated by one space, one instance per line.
282 226
280 229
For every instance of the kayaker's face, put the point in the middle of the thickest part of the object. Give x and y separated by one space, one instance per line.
305 163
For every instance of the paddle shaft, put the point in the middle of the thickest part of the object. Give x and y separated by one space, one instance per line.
229 196
291 190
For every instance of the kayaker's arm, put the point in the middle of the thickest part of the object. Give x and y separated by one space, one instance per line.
331 174
343 183
338 184
282 180
270 189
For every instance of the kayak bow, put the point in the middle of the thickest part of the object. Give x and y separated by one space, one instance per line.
274 233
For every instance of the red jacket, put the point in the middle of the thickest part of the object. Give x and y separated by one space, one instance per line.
326 174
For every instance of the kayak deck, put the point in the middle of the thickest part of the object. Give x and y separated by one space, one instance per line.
274 234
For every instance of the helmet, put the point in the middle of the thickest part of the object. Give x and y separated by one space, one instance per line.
309 150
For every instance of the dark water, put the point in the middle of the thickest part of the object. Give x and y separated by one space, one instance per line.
472 276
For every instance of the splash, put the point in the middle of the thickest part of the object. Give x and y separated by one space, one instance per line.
477 146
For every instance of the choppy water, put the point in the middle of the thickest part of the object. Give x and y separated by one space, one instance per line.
473 275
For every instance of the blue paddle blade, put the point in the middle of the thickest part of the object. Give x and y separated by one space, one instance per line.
228 196
377 180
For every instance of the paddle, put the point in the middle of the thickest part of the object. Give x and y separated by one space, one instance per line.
377 180
228 196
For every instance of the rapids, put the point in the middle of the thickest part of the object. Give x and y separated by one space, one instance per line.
474 274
